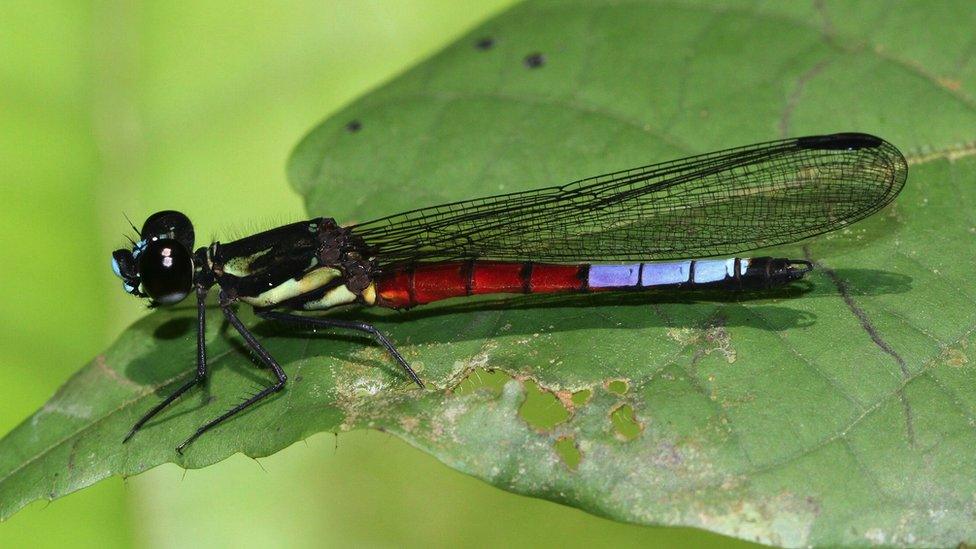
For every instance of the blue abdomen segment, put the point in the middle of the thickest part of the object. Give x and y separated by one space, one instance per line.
663 274
736 273
717 270
614 276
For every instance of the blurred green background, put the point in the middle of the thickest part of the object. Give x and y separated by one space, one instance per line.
113 106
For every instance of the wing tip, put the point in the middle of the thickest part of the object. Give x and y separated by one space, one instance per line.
851 141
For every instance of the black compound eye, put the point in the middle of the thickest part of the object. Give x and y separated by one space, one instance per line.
169 224
166 271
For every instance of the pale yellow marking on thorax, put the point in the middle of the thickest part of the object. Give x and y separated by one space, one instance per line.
340 295
369 294
292 288
241 266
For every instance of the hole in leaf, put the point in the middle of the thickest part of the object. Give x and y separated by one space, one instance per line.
541 408
625 422
568 452
481 379
534 60
581 397
618 386
485 43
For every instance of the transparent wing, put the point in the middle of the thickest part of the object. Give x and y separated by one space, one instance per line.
719 203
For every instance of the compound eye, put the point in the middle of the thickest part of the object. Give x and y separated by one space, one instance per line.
169 224
166 271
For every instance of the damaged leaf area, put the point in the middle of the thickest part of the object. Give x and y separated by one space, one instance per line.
837 411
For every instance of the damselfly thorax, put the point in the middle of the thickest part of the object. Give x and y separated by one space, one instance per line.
641 229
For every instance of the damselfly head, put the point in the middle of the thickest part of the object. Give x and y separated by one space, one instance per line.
160 265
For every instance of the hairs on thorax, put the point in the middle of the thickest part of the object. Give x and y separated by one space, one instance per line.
234 231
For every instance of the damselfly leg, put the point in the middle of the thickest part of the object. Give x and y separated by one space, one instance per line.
226 306
347 325
263 355
201 366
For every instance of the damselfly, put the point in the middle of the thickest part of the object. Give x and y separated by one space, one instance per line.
555 239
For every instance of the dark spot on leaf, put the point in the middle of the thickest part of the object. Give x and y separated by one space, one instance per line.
567 450
625 422
354 126
534 60
298 378
485 43
541 408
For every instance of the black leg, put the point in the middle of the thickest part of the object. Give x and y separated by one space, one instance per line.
262 354
346 325
201 365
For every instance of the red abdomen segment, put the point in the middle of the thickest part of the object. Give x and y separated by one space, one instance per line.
433 282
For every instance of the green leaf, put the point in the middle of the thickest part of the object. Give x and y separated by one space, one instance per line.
838 412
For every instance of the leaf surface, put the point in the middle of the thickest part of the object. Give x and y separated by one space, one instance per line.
839 411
